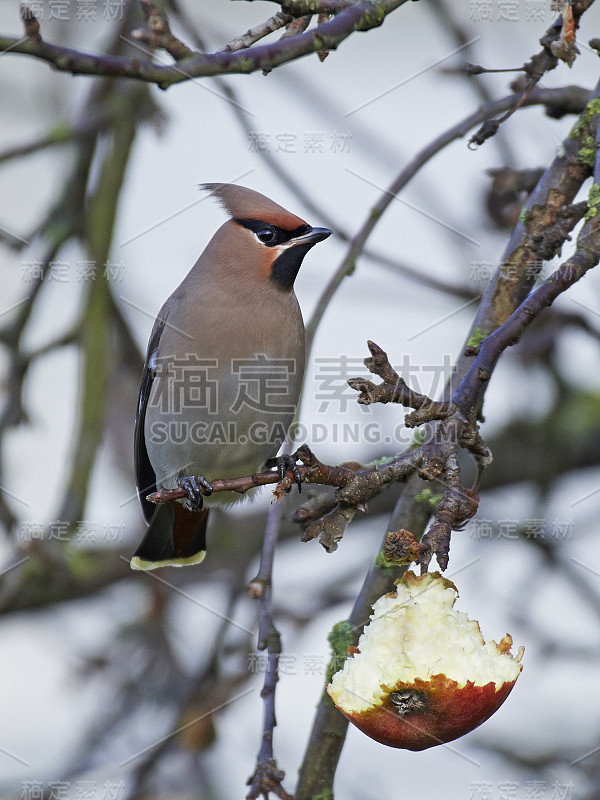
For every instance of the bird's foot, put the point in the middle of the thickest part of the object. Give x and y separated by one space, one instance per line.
195 488
284 463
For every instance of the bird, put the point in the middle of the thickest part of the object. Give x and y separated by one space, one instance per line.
223 372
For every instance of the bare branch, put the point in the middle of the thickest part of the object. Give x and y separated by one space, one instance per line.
546 97
253 35
298 25
557 188
298 8
30 23
159 33
351 17
267 776
394 389
456 507
355 487
558 44
586 256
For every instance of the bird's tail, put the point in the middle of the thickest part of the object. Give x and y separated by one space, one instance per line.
175 537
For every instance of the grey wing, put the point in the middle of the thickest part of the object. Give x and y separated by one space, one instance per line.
144 472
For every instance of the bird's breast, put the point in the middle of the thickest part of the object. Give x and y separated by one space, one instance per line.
226 384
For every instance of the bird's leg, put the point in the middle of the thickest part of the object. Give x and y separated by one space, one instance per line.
284 463
195 488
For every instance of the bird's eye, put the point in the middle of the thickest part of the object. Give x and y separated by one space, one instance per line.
265 235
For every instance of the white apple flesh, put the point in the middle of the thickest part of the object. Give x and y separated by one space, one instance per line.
422 674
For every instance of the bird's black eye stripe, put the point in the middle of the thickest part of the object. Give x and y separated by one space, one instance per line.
271 235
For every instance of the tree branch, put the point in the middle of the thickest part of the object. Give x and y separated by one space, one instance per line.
566 96
557 188
267 776
394 389
558 43
356 16
586 256
158 33
253 35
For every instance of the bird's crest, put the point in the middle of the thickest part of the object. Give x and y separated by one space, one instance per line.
243 203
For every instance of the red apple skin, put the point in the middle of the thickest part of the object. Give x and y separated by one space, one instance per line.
449 713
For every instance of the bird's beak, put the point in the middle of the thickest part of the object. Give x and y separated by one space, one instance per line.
311 236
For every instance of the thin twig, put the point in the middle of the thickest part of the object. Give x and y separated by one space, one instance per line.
158 33
443 11
253 35
394 389
558 44
267 776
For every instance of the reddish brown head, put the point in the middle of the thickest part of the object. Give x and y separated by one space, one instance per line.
263 234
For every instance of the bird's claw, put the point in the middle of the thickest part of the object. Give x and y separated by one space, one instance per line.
284 463
196 487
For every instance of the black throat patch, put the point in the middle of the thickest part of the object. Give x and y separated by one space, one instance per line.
286 266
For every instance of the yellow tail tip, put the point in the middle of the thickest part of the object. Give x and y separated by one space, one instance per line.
138 563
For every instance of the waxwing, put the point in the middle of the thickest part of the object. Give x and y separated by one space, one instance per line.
223 371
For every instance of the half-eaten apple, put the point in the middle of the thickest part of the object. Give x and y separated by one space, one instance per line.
422 673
